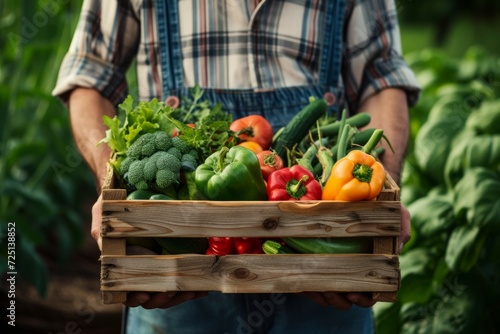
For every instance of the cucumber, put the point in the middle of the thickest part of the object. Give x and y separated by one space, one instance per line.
330 245
183 245
274 247
298 127
161 197
140 195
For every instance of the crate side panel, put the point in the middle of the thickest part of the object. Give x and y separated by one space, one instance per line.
251 219
252 273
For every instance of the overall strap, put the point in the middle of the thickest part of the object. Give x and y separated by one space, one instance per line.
331 55
169 45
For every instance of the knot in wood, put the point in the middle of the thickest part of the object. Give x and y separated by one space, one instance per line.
270 223
241 273
105 228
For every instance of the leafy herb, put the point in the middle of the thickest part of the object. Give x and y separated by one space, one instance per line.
206 138
134 120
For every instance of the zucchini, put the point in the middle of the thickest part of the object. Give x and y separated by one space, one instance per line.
183 245
274 247
298 127
330 245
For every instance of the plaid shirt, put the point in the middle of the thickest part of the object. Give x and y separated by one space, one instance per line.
235 45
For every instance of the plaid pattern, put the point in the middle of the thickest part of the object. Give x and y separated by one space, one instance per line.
235 44
276 45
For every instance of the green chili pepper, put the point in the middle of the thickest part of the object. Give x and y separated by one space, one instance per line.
231 175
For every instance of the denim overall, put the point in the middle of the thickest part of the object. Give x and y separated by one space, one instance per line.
276 313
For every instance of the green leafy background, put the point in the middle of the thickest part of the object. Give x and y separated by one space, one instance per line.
451 183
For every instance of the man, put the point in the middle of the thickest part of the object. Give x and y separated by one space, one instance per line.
266 57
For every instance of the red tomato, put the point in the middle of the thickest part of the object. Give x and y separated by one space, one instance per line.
269 162
254 128
176 131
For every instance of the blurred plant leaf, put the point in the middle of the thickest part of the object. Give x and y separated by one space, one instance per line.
31 267
416 284
464 247
477 198
486 119
459 312
432 214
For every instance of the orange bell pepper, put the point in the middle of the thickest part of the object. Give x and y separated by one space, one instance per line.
355 177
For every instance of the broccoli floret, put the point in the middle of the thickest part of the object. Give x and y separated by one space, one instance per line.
144 146
165 178
136 172
150 168
181 145
175 152
154 161
142 185
125 164
189 162
168 161
148 149
162 141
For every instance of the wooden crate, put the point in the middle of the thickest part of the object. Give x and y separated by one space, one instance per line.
377 273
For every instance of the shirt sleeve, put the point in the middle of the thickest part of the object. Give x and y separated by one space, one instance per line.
103 47
372 52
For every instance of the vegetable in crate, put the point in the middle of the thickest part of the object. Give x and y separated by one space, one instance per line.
269 163
293 184
231 174
298 127
253 128
154 162
273 247
245 245
357 176
330 245
252 146
228 245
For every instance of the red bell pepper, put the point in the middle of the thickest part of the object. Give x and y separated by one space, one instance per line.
220 246
227 245
248 246
295 183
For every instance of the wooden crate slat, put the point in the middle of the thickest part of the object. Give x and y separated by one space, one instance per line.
252 273
251 219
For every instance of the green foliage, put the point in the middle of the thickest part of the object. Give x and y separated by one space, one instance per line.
449 278
42 178
133 121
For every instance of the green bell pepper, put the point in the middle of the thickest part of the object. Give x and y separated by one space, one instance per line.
231 175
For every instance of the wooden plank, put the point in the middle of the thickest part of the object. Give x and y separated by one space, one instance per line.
391 191
110 246
251 219
252 273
